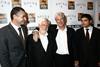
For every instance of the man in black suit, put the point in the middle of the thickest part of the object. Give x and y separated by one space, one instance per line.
40 47
88 43
12 43
64 40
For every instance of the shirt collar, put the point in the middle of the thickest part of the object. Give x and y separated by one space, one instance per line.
64 29
90 28
46 34
15 27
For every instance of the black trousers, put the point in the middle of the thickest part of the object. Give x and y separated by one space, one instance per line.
63 61
89 63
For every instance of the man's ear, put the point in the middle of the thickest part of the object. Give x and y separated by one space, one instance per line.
14 16
91 22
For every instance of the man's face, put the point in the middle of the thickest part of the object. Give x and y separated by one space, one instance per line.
20 17
85 22
43 26
60 22
26 19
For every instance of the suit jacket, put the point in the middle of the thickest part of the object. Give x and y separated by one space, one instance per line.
88 52
71 41
12 52
37 57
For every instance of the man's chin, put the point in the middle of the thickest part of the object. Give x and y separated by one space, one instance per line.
22 23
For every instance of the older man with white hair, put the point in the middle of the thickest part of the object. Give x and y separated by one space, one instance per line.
64 39
40 47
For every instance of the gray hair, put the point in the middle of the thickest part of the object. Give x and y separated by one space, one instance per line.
61 14
44 19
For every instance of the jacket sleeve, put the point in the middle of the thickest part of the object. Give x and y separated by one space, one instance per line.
4 51
74 44
98 46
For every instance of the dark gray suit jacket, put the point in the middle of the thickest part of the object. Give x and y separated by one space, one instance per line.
12 52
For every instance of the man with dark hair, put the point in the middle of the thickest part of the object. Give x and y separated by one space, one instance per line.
88 43
12 40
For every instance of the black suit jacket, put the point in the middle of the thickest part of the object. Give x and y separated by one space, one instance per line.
88 52
12 52
37 57
71 41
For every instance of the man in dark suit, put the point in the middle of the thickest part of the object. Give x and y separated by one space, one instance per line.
40 47
88 43
64 39
12 44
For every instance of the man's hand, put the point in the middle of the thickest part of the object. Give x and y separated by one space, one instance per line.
35 36
76 63
98 64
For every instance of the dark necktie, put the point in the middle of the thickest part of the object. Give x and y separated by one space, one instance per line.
21 36
87 35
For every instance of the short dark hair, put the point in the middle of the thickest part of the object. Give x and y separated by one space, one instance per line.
15 10
88 16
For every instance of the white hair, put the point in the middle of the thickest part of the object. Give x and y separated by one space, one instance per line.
43 19
61 14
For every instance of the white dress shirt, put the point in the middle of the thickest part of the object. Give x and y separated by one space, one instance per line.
61 40
90 28
44 41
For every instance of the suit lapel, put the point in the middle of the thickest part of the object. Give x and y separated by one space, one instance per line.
67 33
82 33
68 37
48 43
25 31
56 31
55 35
93 33
42 48
14 33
